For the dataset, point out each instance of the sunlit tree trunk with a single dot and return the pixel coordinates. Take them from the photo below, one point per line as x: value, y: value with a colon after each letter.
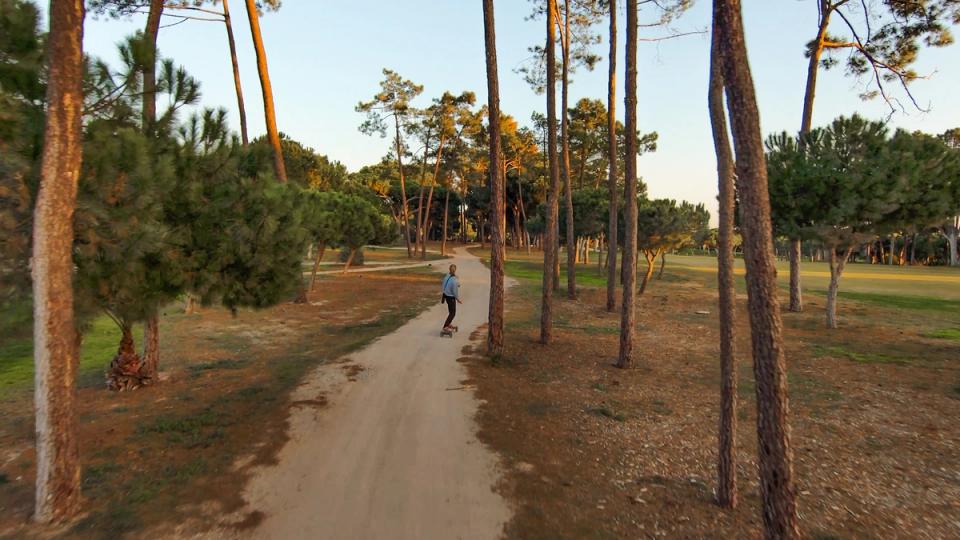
x: 565, y: 137
x: 806, y: 123
x: 55, y: 336
x: 951, y: 231
x: 773, y: 431
x: 727, y: 451
x: 497, y: 188
x: 149, y: 109
x: 418, y: 234
x: 269, y: 113
x: 550, y: 251
x: 403, y: 186
x: 612, y: 159
x: 446, y: 211
x: 428, y: 218
x: 651, y: 256
x: 628, y: 306
x: 836, y: 270
x: 241, y: 109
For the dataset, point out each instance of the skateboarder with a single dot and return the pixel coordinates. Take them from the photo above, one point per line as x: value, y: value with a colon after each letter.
x: 451, y: 297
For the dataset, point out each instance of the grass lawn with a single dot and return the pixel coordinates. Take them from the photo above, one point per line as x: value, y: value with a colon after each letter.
x: 631, y: 453
x: 100, y: 343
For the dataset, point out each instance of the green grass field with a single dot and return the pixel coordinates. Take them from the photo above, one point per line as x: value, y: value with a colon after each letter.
x: 935, y: 282
x: 100, y: 343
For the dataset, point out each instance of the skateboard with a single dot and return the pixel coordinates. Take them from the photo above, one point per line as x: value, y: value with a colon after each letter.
x: 449, y: 332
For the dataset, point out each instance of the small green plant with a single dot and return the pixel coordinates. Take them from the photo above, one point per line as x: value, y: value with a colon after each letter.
x: 952, y: 334
x: 607, y: 413
x: 859, y: 357
x: 225, y: 363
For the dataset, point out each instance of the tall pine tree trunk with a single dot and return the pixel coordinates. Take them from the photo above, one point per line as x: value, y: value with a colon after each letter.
x: 55, y: 336
x: 612, y: 159
x: 727, y: 452
x: 565, y: 136
x: 806, y: 123
x: 423, y: 174
x: 403, y: 186
x: 427, y: 217
x: 773, y: 431
x: 446, y: 210
x: 151, y: 336
x: 951, y: 231
x: 550, y: 251
x: 241, y: 109
x: 629, y: 273
x: 149, y: 110
x: 497, y: 189
x: 796, y: 294
x: 270, y: 115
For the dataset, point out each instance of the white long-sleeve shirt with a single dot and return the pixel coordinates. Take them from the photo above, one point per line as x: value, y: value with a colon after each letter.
x: 451, y: 286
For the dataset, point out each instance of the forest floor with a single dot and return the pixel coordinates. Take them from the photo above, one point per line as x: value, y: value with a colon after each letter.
x: 591, y: 451
x: 184, y: 449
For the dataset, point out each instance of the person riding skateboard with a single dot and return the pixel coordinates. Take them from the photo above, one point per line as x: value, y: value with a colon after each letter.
x: 451, y: 297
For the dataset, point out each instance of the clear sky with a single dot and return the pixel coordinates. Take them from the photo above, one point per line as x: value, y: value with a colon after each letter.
x: 325, y: 56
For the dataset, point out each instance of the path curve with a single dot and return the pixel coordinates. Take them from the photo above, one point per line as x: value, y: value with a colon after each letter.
x: 394, y: 453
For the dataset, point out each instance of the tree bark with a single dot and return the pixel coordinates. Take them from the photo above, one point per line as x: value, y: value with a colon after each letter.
x: 629, y: 274
x: 651, y: 257
x: 497, y: 188
x: 951, y: 231
x: 55, y: 336
x: 270, y: 115
x: 612, y: 165
x: 346, y: 266
x: 796, y: 295
x: 893, y: 248
x: 423, y: 174
x: 836, y: 270
x: 151, y: 351
x: 151, y: 348
x: 663, y: 264
x: 190, y: 305
x: 565, y: 137
x: 427, y: 218
x: 316, y: 265
x: 550, y: 251
x: 149, y: 109
x: 775, y: 453
x: 806, y: 123
x: 403, y: 186
x: 446, y: 210
x: 727, y: 436
x: 241, y: 109
x: 913, y: 248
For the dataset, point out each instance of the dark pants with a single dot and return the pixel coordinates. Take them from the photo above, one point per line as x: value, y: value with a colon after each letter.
x: 451, y: 302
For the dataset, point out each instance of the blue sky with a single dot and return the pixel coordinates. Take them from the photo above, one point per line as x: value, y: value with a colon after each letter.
x: 325, y: 56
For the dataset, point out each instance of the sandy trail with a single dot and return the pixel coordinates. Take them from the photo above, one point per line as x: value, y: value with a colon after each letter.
x: 393, y: 454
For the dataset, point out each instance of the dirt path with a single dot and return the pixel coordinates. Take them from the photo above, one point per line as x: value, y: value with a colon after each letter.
x: 383, y: 445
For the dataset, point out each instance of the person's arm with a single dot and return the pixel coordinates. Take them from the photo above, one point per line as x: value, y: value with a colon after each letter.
x: 457, y: 285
